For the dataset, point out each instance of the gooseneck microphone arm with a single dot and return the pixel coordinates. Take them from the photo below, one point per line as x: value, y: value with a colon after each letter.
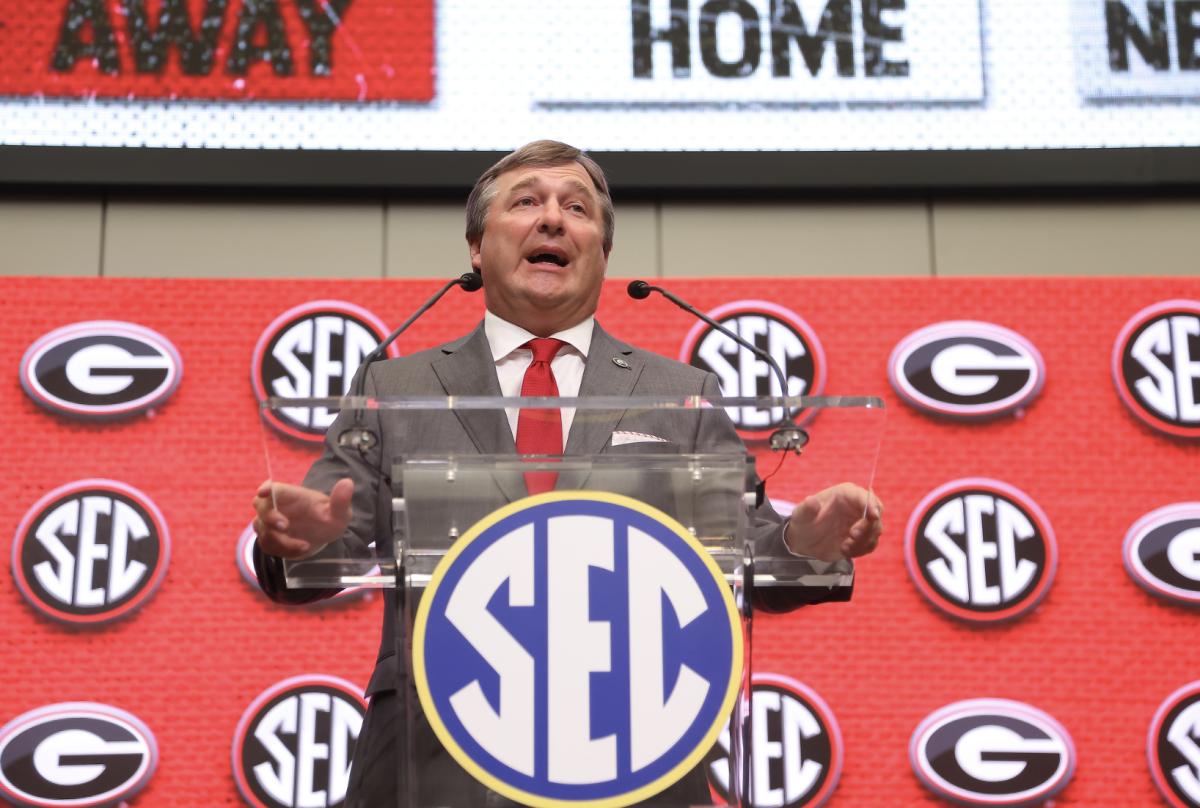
x: 788, y: 436
x: 469, y: 281
x: 357, y: 435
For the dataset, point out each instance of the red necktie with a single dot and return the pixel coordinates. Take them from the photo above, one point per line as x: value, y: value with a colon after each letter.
x: 540, y: 431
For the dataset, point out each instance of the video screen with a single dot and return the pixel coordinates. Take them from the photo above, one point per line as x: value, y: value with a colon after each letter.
x: 607, y: 75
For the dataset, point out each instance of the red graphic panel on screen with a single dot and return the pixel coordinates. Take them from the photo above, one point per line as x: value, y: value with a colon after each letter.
x: 296, y: 50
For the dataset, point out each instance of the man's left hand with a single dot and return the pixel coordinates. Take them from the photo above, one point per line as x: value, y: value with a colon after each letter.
x: 843, y: 521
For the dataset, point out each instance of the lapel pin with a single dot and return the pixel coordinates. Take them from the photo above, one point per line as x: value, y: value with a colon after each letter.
x: 621, y: 363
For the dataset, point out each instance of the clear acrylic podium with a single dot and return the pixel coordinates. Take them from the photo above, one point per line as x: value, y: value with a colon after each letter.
x: 710, y: 488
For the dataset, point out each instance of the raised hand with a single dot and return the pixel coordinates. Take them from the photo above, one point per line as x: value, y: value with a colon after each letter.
x: 843, y: 521
x: 294, y: 522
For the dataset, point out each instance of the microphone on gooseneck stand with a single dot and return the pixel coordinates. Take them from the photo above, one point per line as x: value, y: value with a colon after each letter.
x: 787, y: 437
x: 357, y: 435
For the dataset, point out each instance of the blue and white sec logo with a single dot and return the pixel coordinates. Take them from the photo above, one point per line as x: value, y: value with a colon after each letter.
x: 577, y: 647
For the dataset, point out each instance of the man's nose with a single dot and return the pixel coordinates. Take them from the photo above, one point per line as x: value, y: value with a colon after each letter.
x: 552, y: 217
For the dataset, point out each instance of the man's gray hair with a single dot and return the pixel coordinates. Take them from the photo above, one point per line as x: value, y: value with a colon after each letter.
x: 542, y: 154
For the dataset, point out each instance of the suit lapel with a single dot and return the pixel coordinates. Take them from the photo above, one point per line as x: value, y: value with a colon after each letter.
x: 466, y: 369
x: 602, y: 376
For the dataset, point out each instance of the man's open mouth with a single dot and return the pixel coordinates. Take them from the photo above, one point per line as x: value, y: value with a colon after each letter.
x: 547, y: 258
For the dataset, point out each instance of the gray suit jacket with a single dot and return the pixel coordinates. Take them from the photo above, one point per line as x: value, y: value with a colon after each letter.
x: 465, y: 368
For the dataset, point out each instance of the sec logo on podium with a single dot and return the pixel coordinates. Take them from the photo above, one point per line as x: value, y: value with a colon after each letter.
x: 577, y: 649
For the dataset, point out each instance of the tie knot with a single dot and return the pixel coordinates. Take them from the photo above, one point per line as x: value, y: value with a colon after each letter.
x: 544, y: 348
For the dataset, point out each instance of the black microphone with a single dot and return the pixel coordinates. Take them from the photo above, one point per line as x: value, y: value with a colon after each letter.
x: 789, y: 436
x: 357, y: 435
x: 640, y: 290
x: 471, y: 281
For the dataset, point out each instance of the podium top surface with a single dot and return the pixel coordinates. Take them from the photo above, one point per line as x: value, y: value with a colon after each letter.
x: 579, y: 403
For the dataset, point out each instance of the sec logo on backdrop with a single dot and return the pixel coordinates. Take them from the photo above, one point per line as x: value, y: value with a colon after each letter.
x: 90, y: 551
x: 980, y: 550
x: 1173, y: 747
x: 577, y: 647
x: 788, y: 339
x: 966, y: 369
x: 797, y: 749
x: 293, y: 745
x: 1162, y: 552
x: 992, y: 752
x: 1156, y: 366
x: 312, y: 351
x: 101, y: 369
x: 75, y: 754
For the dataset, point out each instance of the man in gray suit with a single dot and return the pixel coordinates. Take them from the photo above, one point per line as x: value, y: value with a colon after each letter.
x: 539, y: 229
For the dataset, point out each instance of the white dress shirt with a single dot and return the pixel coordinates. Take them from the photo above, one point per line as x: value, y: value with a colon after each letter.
x: 506, y: 339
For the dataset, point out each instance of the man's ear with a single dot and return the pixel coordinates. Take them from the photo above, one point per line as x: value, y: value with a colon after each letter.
x: 476, y: 248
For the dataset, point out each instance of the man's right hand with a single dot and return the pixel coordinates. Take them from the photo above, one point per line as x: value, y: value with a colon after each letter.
x: 294, y: 522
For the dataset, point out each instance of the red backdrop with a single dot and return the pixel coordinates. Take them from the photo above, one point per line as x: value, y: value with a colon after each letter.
x: 1099, y: 654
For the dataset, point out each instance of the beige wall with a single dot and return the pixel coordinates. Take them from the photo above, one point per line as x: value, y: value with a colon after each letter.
x: 371, y: 237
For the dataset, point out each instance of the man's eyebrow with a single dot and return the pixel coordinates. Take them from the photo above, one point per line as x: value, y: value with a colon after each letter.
x: 582, y: 188
x: 576, y: 185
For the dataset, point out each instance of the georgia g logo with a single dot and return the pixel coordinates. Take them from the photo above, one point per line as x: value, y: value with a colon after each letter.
x: 1162, y: 552
x: 965, y: 369
x: 577, y: 648
x: 313, y: 350
x: 992, y: 752
x: 1173, y: 747
x: 101, y: 369
x: 980, y: 550
x: 75, y: 753
x: 788, y: 339
x: 293, y: 745
x: 90, y: 551
x: 1156, y: 367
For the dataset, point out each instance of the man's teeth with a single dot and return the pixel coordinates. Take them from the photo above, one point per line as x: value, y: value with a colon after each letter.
x: 547, y: 258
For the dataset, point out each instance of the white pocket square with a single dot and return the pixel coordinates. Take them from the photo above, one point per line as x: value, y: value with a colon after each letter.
x: 621, y: 438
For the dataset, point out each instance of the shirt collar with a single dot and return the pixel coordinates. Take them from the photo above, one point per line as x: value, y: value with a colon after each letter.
x: 504, y: 337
